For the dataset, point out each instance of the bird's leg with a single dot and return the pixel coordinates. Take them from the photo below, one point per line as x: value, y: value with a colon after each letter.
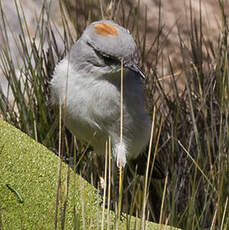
x: 115, y: 184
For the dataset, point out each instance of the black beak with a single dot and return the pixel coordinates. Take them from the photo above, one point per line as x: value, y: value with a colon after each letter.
x: 135, y: 68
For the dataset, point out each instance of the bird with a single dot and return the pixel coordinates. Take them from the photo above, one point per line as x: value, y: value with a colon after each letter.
x: 87, y: 85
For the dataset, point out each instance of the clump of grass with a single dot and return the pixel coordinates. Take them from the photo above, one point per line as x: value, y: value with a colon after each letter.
x: 191, y: 127
x: 27, y: 104
x: 195, y: 132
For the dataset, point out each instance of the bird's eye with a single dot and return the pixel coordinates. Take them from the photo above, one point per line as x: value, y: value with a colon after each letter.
x: 110, y: 60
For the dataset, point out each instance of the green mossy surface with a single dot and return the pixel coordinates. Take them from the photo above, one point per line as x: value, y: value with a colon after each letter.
x: 31, y: 171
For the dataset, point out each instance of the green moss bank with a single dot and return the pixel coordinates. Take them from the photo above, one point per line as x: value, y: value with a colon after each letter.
x: 28, y: 188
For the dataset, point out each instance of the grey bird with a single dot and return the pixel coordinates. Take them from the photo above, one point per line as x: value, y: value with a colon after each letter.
x: 87, y: 84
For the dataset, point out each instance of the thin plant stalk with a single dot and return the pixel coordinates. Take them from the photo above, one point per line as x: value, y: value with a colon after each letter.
x: 224, y: 214
x: 163, y: 200
x: 105, y: 187
x: 109, y: 183
x: 121, y: 142
x: 59, y: 168
x: 147, y: 172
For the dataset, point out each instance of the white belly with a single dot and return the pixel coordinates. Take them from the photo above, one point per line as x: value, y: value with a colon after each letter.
x: 93, y: 110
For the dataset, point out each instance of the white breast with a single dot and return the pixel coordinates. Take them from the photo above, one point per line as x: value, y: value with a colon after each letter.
x: 93, y: 110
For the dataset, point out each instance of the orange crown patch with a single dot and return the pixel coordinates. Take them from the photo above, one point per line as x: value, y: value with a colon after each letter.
x: 104, y: 29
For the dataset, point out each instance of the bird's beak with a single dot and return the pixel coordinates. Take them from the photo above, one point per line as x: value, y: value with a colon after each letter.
x: 136, y: 69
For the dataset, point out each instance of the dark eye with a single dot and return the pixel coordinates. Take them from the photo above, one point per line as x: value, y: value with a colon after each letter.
x: 110, y: 60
